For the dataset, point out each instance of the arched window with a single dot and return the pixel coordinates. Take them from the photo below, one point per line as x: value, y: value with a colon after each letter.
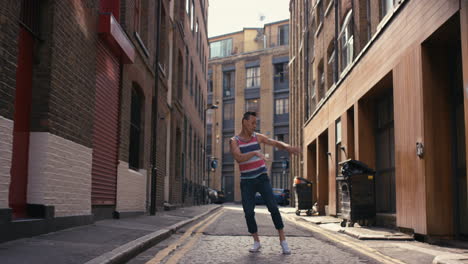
x: 136, y: 129
x: 346, y: 40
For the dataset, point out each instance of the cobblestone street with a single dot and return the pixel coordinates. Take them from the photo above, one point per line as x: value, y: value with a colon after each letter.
x: 225, y: 240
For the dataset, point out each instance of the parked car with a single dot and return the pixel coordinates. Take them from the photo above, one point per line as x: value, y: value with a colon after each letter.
x: 216, y: 196
x: 281, y: 195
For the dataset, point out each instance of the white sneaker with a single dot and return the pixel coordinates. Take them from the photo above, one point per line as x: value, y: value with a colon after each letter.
x: 285, y: 247
x: 256, y: 247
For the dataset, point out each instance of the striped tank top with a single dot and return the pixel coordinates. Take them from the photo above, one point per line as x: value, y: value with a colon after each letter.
x: 255, y: 166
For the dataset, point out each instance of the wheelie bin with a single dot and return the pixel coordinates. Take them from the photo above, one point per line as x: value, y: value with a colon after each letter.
x: 303, y: 193
x: 356, y: 188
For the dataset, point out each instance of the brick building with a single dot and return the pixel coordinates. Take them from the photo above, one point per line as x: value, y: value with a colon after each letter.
x: 382, y: 82
x: 87, y: 93
x: 248, y: 72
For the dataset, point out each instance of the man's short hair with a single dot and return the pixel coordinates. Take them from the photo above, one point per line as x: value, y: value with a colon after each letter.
x: 248, y: 114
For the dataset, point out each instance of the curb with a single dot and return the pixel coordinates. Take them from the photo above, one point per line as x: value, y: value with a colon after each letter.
x: 357, y: 235
x: 135, y: 247
x: 376, y: 237
x: 451, y: 259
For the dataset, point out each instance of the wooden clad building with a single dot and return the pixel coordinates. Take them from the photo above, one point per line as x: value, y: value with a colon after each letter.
x: 382, y: 82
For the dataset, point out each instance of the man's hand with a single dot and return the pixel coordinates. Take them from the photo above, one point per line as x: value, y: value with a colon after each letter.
x: 260, y: 155
x: 293, y: 150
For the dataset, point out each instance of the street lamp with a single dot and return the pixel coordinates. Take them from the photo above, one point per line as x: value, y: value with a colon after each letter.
x: 211, y: 107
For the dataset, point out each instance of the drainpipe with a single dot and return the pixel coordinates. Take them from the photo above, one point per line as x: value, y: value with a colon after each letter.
x: 335, y: 65
x: 154, y: 119
x: 307, y: 103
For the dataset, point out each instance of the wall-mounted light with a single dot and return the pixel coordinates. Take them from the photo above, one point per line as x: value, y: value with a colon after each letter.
x: 419, y: 149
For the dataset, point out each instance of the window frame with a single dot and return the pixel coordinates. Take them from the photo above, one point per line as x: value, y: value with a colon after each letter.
x: 231, y: 84
x: 224, y: 49
x: 192, y: 16
x: 387, y: 7
x: 228, y: 112
x: 282, y: 29
x: 346, y: 46
x: 248, y: 107
x: 281, y: 106
x: 254, y: 80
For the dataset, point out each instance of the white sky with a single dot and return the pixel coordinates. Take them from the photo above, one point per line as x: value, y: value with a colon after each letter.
x: 226, y: 16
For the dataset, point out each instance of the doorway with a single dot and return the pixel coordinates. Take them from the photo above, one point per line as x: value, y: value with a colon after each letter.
x: 322, y: 173
x: 385, y: 155
x: 443, y: 87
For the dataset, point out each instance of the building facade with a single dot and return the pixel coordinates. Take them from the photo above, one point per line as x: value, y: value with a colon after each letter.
x: 248, y: 71
x: 382, y: 82
x: 91, y: 117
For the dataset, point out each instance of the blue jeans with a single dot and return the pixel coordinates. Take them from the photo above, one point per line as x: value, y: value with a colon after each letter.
x: 262, y: 185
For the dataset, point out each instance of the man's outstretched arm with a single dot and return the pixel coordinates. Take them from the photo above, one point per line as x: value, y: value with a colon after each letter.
x: 238, y: 156
x: 278, y: 144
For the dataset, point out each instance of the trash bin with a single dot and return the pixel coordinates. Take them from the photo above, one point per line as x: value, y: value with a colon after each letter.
x: 356, y: 188
x: 303, y: 195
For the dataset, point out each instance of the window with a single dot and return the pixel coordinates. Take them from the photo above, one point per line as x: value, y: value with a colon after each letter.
x: 190, y: 141
x: 253, y: 105
x: 281, y: 72
x: 196, y: 92
x: 283, y: 35
x: 209, y: 117
x: 321, y: 80
x: 347, y: 41
x: 135, y: 149
x: 386, y: 7
x: 191, y: 78
x: 228, y: 83
x: 226, y: 147
x: 186, y: 68
x: 210, y: 82
x: 368, y: 19
x: 282, y: 106
x: 284, y: 138
x: 319, y: 12
x: 137, y: 15
x: 331, y: 65
x: 253, y: 77
x: 180, y: 75
x: 164, y: 50
x: 338, y: 131
x: 198, y: 36
x: 228, y: 111
x: 192, y: 17
x: 222, y: 48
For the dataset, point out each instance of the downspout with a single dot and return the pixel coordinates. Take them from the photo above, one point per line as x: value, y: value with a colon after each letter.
x: 355, y: 31
x: 335, y: 65
x: 154, y: 107
x: 307, y: 102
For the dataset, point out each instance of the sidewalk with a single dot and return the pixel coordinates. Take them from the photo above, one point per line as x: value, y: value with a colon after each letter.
x: 106, y: 241
x: 398, y: 246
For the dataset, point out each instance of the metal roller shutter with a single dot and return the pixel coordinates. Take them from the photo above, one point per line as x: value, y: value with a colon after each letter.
x: 105, y: 138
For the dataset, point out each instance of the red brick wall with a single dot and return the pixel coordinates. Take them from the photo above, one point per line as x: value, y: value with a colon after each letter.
x: 9, y: 13
x: 64, y: 71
